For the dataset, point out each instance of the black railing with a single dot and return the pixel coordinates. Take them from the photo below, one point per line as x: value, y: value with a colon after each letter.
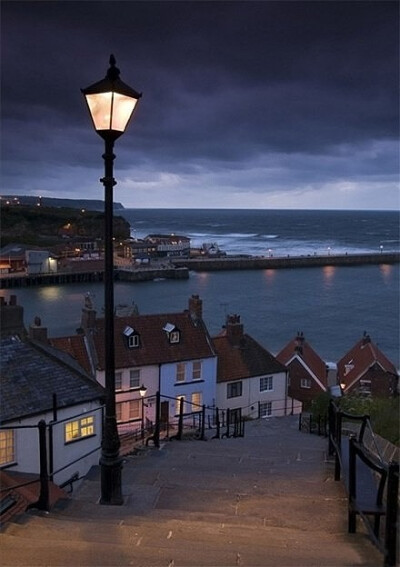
x: 46, y: 454
x: 372, y: 484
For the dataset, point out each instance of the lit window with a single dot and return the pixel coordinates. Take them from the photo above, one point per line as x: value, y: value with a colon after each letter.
x: 134, y: 409
x: 79, y: 428
x: 196, y: 401
x: 178, y: 404
x: 7, y: 447
x: 305, y: 383
x: 196, y: 370
x: 180, y: 372
x: 134, y: 378
x: 234, y: 390
x: 266, y: 409
x: 118, y: 380
x: 118, y: 411
x: 266, y: 383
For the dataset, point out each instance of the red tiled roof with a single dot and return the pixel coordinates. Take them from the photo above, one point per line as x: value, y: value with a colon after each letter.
x: 300, y: 348
x: 75, y: 347
x: 244, y: 361
x: 155, y: 347
x: 357, y: 361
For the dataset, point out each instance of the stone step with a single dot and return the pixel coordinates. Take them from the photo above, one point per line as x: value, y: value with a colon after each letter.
x: 54, y: 543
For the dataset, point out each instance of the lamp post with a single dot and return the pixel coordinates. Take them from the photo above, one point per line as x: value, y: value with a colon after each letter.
x: 111, y: 104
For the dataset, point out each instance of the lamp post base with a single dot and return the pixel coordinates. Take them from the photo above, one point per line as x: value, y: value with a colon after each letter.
x: 111, y: 490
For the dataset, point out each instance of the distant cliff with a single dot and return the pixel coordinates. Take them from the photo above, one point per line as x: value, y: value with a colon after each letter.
x: 88, y: 204
x: 48, y: 226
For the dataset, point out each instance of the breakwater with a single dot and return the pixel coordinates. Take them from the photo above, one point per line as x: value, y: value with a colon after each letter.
x: 279, y: 262
x: 59, y: 278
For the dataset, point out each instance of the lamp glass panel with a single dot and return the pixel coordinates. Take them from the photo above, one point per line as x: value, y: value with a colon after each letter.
x: 100, y: 109
x: 122, y: 111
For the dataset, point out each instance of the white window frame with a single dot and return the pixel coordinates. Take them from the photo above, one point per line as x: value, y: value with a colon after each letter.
x: 134, y: 378
x: 133, y: 341
x: 231, y: 388
x: 174, y: 337
x: 305, y: 383
x: 265, y: 409
x: 180, y: 372
x: 80, y: 428
x: 197, y: 370
x: 266, y: 383
x: 118, y: 380
x: 7, y: 447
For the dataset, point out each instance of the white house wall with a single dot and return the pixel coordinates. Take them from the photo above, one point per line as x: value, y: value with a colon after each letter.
x: 149, y: 377
x: 251, y: 395
x: 206, y: 385
x: 27, y: 444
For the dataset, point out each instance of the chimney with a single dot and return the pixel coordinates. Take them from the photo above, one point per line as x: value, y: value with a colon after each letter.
x: 366, y: 338
x: 299, y: 342
x: 12, y: 318
x: 195, y: 307
x: 37, y: 332
x: 234, y: 330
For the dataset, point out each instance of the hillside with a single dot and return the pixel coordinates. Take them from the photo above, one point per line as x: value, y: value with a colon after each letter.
x: 88, y: 204
x: 47, y: 226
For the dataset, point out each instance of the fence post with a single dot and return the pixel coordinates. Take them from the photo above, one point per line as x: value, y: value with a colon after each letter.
x: 44, y: 500
x: 332, y: 428
x: 203, y: 423
x: 157, y: 424
x: 218, y: 433
x: 352, y: 485
x: 180, y: 422
x: 391, y: 515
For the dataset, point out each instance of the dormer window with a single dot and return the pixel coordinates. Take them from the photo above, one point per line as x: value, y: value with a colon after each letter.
x: 173, y: 333
x: 132, y: 337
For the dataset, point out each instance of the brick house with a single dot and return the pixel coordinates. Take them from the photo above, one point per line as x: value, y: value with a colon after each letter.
x: 365, y: 370
x: 308, y: 373
x: 250, y: 380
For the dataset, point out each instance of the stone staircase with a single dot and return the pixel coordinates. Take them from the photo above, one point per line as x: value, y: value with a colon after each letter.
x: 267, y: 499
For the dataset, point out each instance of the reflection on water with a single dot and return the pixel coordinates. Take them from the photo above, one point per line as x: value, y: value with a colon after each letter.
x: 328, y: 273
x: 386, y: 271
x: 269, y: 275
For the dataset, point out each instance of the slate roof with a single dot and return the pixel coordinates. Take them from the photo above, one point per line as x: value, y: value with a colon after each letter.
x: 359, y: 359
x: 245, y: 361
x: 299, y: 348
x: 74, y: 346
x: 30, y: 373
x: 155, y: 347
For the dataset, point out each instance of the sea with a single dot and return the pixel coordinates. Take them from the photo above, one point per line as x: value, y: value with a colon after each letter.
x: 332, y: 306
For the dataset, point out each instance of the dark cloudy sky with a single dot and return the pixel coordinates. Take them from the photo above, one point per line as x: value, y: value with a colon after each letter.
x: 246, y: 104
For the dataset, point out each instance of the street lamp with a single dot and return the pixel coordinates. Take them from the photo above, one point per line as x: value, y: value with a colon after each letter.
x: 111, y: 104
x: 142, y: 392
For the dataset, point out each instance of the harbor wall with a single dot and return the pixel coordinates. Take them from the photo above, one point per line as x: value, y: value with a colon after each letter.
x: 257, y: 263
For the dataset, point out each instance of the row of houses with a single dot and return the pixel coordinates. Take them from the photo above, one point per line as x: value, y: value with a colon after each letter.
x: 61, y: 380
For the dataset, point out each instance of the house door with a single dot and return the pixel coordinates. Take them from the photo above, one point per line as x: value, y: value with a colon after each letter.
x: 164, y: 414
x: 235, y: 415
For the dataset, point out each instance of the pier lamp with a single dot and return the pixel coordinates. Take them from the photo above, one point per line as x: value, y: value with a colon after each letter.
x: 111, y: 104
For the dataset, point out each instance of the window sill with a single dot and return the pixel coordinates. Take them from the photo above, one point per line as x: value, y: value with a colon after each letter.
x: 80, y: 439
x: 187, y: 383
